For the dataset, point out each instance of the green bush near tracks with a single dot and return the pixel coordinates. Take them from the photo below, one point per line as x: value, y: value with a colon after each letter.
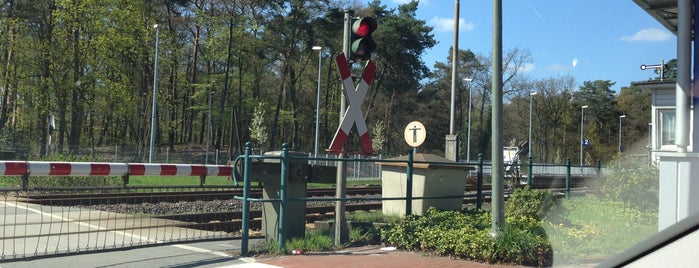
x: 635, y: 183
x: 466, y: 234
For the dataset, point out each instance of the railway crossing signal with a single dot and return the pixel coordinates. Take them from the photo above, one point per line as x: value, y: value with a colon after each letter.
x: 362, y: 44
x: 353, y: 114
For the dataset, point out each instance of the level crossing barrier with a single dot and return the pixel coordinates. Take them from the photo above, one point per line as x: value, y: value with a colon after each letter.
x: 43, y: 222
x: 124, y: 170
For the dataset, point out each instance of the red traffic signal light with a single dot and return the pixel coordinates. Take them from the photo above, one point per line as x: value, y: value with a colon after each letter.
x: 362, y: 44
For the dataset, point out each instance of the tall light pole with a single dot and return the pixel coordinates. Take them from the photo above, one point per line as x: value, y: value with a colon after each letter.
x: 582, y: 132
x: 155, y: 94
x: 451, y: 148
x: 320, y: 50
x: 620, y: 117
x: 468, y: 137
x: 529, y: 141
x: 208, y: 130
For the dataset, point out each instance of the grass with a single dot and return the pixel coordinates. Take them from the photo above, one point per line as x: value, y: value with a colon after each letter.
x: 177, y: 180
x: 350, y: 183
x: 189, y: 180
x: 371, y: 216
x: 313, y: 241
x: 589, y: 229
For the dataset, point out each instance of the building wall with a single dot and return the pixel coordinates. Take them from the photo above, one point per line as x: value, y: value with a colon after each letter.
x: 663, y: 114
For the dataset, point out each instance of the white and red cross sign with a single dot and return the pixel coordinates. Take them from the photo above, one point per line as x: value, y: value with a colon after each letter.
x: 353, y: 114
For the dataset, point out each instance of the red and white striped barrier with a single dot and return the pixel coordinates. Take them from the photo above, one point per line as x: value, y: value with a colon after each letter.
x: 39, y: 168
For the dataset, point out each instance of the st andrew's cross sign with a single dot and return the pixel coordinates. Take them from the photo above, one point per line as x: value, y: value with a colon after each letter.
x: 353, y: 114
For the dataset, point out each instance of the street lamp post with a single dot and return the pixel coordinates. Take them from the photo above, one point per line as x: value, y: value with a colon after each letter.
x: 208, y: 130
x: 620, y: 117
x: 531, y: 100
x: 319, y: 49
x: 468, y: 137
x: 155, y: 94
x: 582, y: 132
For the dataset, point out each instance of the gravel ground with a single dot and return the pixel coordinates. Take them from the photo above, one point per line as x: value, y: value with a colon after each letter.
x: 184, y: 207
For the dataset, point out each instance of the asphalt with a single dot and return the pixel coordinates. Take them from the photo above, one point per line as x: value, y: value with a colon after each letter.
x: 227, y: 254
x: 201, y: 254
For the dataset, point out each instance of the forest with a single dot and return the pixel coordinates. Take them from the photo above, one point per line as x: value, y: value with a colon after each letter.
x: 81, y: 74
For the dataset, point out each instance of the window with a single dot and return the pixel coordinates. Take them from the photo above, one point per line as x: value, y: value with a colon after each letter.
x: 667, y: 127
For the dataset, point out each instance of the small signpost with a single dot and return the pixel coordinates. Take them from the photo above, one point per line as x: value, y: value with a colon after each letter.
x: 415, y: 134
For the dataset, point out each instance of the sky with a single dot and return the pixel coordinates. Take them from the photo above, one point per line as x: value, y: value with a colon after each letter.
x: 586, y: 39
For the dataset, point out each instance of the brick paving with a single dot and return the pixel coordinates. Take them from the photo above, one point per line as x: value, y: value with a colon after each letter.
x: 373, y: 256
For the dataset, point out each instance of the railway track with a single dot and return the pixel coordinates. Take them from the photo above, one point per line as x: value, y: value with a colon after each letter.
x: 228, y: 220
x: 92, y: 197
x: 231, y: 221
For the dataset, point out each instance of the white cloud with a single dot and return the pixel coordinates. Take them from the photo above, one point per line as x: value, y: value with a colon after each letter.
x: 648, y: 35
x: 528, y: 67
x: 447, y: 24
x: 575, y: 62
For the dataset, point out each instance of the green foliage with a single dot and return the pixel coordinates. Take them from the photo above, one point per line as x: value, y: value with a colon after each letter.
x: 595, y: 229
x: 15, y: 141
x: 378, y: 136
x: 258, y: 131
x: 467, y: 235
x: 177, y: 180
x: 73, y: 181
x: 523, y: 246
x: 313, y: 241
x: 634, y: 183
x: 373, y: 216
x: 601, y: 117
x: 364, y: 236
x: 528, y: 203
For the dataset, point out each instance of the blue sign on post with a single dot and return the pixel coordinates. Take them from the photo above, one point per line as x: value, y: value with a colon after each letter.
x: 586, y: 143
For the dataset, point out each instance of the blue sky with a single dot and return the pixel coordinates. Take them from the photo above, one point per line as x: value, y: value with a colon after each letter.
x: 586, y: 39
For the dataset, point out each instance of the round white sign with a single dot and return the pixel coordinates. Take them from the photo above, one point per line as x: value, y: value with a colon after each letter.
x: 415, y: 134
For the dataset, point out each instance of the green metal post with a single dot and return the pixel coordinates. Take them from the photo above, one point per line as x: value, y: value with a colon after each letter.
x: 479, y: 182
x: 246, y: 204
x: 529, y: 172
x: 567, y: 177
x: 282, y: 195
x: 409, y: 187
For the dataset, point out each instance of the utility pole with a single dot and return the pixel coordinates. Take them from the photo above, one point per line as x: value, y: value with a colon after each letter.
x: 340, y: 227
x: 498, y: 202
x: 452, y: 141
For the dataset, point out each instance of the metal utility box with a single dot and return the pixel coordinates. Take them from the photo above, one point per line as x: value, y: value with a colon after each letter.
x: 268, y: 171
x: 439, y: 177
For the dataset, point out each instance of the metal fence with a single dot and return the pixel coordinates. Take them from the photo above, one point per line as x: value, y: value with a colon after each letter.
x: 49, y: 222
x: 41, y: 222
x: 282, y: 201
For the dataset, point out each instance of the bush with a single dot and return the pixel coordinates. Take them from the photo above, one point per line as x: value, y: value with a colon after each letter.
x: 528, y: 203
x: 466, y: 235
x: 634, y: 183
